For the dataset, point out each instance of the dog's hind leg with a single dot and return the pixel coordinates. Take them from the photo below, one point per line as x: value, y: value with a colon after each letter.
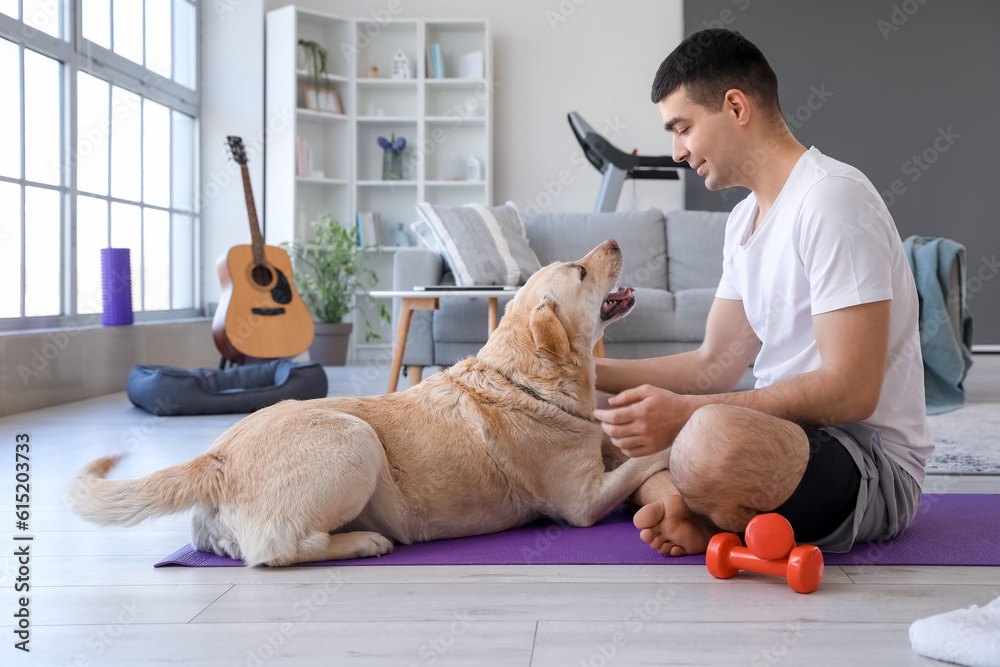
x: 211, y: 535
x: 338, y: 462
x: 339, y: 546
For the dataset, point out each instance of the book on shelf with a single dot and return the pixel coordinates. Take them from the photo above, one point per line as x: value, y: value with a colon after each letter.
x: 369, y: 228
x: 430, y: 63
x: 437, y: 60
x: 303, y: 157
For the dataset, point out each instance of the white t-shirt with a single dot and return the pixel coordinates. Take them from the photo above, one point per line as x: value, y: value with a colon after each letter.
x: 827, y: 243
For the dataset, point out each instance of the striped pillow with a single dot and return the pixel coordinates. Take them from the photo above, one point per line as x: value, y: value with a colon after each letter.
x: 482, y: 245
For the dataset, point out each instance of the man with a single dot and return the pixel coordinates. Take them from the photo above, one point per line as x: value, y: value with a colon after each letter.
x: 834, y: 436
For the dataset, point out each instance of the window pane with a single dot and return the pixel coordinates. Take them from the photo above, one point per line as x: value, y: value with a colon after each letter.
x: 42, y: 251
x: 156, y: 259
x: 184, y: 44
x: 10, y: 249
x: 126, y: 232
x: 10, y: 108
x: 41, y: 119
x: 92, y: 134
x: 126, y: 140
x: 158, y: 36
x: 44, y: 15
x: 183, y: 147
x: 91, y: 236
x: 97, y: 21
x: 156, y: 154
x: 182, y: 268
x: 127, y: 34
x: 9, y: 7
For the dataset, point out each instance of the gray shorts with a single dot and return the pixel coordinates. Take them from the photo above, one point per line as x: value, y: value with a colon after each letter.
x: 887, y: 498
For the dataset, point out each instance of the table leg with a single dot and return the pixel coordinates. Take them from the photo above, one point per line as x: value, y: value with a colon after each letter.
x: 414, y: 374
x: 493, y: 314
x: 406, y: 308
x: 599, y: 348
x: 402, y: 330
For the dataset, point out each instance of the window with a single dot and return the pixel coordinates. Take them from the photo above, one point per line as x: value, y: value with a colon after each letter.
x: 99, y: 115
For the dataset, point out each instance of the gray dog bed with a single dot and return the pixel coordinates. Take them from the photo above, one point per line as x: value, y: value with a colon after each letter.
x: 168, y: 391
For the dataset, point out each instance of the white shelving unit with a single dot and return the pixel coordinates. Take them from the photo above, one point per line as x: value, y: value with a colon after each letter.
x: 444, y: 120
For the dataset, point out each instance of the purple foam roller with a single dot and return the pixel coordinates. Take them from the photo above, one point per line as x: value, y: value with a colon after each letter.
x: 116, y: 285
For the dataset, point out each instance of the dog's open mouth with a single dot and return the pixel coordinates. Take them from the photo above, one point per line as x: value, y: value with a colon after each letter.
x: 617, y: 303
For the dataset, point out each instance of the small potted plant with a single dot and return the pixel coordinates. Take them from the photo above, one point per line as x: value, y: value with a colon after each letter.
x: 329, y: 273
x: 314, y: 60
x: 322, y: 95
x: 392, y: 157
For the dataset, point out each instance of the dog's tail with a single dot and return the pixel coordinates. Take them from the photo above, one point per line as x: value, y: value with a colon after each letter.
x: 127, y: 502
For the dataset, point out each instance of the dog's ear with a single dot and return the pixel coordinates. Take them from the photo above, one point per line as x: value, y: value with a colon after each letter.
x: 547, y: 330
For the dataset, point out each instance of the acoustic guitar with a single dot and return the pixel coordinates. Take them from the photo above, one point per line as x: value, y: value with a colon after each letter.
x: 260, y: 314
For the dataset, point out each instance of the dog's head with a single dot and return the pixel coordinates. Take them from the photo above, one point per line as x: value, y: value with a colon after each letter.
x: 566, y: 305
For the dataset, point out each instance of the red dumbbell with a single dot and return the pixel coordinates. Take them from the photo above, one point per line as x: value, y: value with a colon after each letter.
x: 770, y: 549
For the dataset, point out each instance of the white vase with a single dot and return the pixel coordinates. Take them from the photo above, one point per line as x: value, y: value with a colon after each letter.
x: 473, y: 169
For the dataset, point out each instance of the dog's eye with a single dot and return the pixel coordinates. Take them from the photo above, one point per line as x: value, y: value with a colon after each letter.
x: 583, y: 273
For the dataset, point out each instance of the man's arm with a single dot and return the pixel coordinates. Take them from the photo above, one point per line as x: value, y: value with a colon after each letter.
x: 715, y: 367
x: 853, y: 346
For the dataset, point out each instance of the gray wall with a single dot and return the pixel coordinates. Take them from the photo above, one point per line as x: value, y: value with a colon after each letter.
x: 890, y: 94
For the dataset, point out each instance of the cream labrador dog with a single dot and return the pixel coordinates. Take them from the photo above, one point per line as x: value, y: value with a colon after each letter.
x: 494, y: 442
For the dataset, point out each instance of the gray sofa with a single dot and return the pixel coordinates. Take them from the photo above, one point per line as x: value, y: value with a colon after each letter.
x: 674, y: 262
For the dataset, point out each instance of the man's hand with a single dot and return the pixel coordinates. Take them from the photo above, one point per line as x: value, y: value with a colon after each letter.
x: 646, y: 419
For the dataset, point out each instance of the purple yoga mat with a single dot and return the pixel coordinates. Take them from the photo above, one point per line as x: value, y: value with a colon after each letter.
x: 950, y: 529
x: 116, y: 287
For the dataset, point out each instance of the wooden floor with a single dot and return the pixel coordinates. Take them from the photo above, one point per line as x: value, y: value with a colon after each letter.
x: 95, y: 598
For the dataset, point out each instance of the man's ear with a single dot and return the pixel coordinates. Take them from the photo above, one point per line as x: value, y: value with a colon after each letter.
x: 547, y: 330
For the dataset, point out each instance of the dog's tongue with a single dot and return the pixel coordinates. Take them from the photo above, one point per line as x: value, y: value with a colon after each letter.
x: 619, y: 294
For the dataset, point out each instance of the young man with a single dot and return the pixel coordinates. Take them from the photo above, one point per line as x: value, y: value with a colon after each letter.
x: 834, y: 436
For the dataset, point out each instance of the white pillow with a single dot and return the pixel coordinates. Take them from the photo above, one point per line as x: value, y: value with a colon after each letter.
x: 482, y: 245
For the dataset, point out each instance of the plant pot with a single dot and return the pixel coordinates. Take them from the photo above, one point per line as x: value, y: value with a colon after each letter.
x: 329, y: 346
x: 392, y: 165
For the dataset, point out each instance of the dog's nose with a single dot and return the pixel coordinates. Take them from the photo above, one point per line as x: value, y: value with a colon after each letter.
x: 612, y: 244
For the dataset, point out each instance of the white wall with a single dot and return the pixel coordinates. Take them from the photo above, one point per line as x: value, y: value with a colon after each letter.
x: 232, y: 80
x: 596, y: 57
x: 44, y: 367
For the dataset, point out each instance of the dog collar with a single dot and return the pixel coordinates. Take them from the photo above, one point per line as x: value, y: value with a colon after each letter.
x: 534, y: 394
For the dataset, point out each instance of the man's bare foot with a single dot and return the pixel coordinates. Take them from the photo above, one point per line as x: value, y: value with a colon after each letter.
x: 668, y: 526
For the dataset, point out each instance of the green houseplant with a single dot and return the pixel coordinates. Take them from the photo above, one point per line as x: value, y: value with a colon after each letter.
x: 330, y: 275
x: 315, y: 61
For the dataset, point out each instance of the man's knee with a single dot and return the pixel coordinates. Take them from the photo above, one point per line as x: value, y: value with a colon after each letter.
x: 695, y: 454
x: 705, y: 436
x: 729, y: 456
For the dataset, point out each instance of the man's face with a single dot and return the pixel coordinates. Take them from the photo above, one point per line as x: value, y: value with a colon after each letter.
x: 707, y: 141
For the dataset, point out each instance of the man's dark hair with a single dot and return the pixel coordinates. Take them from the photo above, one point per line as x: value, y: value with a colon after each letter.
x: 711, y: 62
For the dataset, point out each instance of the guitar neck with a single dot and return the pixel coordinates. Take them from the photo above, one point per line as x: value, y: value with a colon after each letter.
x: 256, y: 240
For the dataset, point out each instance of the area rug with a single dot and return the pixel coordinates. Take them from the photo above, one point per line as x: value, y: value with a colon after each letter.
x: 966, y: 441
x: 950, y: 529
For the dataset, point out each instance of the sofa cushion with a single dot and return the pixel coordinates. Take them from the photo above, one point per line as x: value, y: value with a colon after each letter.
x: 482, y: 245
x: 691, y: 308
x: 661, y: 316
x: 652, y: 318
x: 564, y: 237
x: 694, y: 248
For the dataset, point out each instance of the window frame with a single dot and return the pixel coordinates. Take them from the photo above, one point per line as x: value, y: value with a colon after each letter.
x: 77, y: 54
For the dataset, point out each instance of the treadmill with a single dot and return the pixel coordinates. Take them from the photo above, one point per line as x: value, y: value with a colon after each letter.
x: 617, y: 165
